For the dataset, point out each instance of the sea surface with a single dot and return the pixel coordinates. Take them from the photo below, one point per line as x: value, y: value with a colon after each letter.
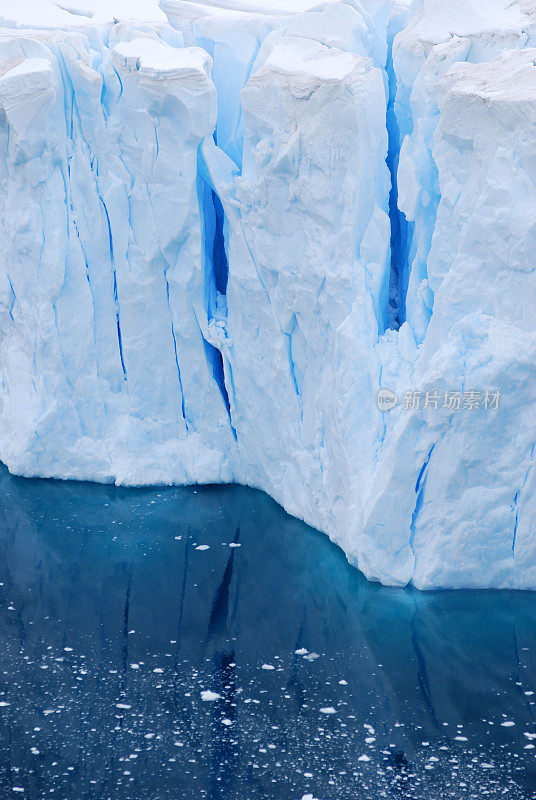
x: 192, y: 644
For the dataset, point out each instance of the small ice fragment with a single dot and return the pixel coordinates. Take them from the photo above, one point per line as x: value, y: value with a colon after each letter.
x: 226, y: 721
x: 343, y: 683
x: 328, y: 710
x: 203, y: 547
x: 301, y: 652
x: 507, y: 724
x: 267, y: 666
x: 363, y: 758
x: 235, y: 544
x: 210, y: 697
x: 123, y: 706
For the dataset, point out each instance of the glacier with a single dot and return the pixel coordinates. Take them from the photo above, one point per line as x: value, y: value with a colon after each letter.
x: 228, y: 228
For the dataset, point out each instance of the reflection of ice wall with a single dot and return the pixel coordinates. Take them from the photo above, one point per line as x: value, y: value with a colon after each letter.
x: 197, y: 283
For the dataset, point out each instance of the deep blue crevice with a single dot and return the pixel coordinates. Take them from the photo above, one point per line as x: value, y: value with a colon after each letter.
x: 216, y: 275
x: 220, y: 263
x: 295, y: 350
x: 292, y: 366
x: 216, y: 263
x: 516, y: 522
x: 174, y: 337
x: 116, y: 295
x: 401, y: 229
x: 420, y: 487
x: 423, y: 470
x: 215, y: 359
x: 515, y: 506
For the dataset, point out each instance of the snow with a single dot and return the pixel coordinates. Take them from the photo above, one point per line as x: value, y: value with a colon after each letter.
x: 306, y: 58
x: 197, y: 283
x: 68, y: 14
x: 156, y: 60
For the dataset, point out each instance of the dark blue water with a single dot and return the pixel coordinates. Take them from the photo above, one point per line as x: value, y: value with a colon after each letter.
x: 112, y: 624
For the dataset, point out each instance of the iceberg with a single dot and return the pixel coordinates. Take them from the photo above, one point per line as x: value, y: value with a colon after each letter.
x: 285, y: 245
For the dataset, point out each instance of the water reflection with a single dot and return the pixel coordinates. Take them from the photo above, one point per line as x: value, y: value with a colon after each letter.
x: 118, y: 608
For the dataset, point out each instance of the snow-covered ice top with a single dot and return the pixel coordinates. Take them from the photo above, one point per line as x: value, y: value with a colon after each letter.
x: 303, y: 57
x: 69, y: 14
x: 436, y: 21
x: 510, y: 78
x: 207, y: 273
x: 155, y: 59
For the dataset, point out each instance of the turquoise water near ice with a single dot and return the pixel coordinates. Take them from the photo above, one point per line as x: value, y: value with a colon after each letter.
x: 113, y: 622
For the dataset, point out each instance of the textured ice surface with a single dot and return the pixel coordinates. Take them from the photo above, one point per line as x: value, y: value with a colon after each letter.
x: 212, y: 261
x: 439, y: 35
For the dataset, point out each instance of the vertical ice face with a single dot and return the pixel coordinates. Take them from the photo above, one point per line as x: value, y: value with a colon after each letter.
x: 104, y: 362
x: 461, y: 511
x: 308, y: 277
x: 438, y: 35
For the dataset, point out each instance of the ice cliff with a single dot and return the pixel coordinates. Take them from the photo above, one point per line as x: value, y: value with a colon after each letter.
x: 226, y: 227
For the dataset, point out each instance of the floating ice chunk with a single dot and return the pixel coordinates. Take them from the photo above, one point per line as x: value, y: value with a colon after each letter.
x: 208, y: 696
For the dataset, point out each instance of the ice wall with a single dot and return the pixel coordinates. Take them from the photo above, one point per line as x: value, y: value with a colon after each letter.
x: 106, y: 373
x: 462, y: 510
x: 226, y: 227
